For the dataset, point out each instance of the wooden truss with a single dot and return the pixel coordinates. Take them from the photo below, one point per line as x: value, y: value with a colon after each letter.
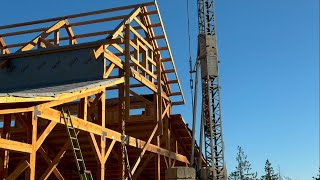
x: 136, y: 56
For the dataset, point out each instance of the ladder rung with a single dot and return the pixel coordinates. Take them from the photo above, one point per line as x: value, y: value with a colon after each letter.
x: 79, y: 160
x: 70, y: 127
x: 73, y: 137
x: 77, y: 149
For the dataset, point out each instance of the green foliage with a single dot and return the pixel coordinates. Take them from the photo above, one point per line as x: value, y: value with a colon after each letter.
x: 243, y: 168
x: 270, y: 175
x: 318, y: 176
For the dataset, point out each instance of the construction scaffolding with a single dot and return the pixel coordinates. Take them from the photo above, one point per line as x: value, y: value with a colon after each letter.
x: 118, y: 84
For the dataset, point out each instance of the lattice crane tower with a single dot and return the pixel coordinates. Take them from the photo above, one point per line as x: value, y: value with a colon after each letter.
x: 207, y: 60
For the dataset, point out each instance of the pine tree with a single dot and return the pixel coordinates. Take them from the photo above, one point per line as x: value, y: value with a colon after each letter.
x: 243, y: 168
x: 269, y: 172
x: 318, y: 176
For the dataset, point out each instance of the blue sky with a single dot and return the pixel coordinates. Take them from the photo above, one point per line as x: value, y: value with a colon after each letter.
x: 269, y: 72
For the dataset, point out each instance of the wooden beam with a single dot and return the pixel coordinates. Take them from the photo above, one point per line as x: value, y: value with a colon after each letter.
x: 144, y: 164
x: 49, y: 161
x: 33, y: 147
x: 102, y: 119
x: 109, y: 150
x: 56, y: 160
x: 144, y: 149
x: 17, y: 110
x: 19, y: 169
x: 72, y: 39
x: 56, y: 39
x: 78, y: 123
x: 15, y: 146
x: 45, y: 134
x: 158, y: 162
x: 109, y: 70
x: 94, y: 143
x: 77, y: 15
x: 3, y: 47
x: 5, y: 153
x: 141, y: 97
x: 43, y: 35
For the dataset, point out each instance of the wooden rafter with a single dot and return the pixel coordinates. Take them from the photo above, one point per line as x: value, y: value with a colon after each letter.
x: 3, y: 47
x: 43, y: 35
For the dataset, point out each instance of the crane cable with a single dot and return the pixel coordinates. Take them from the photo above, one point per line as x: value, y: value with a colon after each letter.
x: 190, y: 60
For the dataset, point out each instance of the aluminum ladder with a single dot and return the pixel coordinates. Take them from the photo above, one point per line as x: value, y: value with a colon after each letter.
x: 75, y: 146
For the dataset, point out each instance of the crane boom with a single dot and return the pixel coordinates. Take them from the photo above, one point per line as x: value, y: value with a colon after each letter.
x: 211, y: 112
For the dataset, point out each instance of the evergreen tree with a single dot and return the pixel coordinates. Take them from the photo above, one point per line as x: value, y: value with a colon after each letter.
x: 243, y: 168
x: 318, y: 176
x: 270, y: 175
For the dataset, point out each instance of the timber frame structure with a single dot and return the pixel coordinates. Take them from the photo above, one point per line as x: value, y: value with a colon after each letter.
x: 129, y: 104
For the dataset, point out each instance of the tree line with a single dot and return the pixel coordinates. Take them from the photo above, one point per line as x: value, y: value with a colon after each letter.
x: 243, y: 170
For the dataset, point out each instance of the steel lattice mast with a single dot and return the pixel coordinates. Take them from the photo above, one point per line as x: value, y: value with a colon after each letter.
x: 211, y: 112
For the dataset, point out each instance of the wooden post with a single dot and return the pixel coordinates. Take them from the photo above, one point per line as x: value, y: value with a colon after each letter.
x: 5, y: 153
x: 27, y: 119
x: 126, y: 107
x: 159, y: 113
x: 167, y: 135
x: 33, y: 146
x: 102, y: 118
x: 158, y: 170
x: 120, y: 118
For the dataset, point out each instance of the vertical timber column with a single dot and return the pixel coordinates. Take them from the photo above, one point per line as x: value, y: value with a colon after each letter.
x: 33, y: 146
x: 120, y: 118
x: 28, y: 118
x: 5, y: 153
x: 159, y: 112
x: 127, y: 93
x: 102, y: 117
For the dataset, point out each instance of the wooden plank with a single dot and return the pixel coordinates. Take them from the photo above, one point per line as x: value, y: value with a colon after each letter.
x: 19, y: 169
x: 78, y: 123
x: 15, y: 146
